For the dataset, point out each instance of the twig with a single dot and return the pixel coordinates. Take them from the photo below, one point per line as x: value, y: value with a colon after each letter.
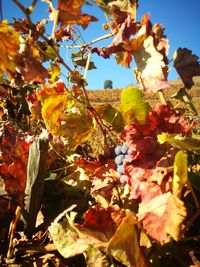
x: 32, y: 6
x: 187, y: 99
x: 88, y: 44
x: 87, y: 66
x: 10, y: 253
x: 55, y: 24
x: 26, y: 11
x: 194, y: 217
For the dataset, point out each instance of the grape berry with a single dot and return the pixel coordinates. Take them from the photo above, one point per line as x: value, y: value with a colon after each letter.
x: 121, y: 153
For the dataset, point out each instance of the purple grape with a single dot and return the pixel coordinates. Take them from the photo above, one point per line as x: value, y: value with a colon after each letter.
x: 119, y: 159
x: 120, y: 169
x: 118, y: 150
x: 124, y: 149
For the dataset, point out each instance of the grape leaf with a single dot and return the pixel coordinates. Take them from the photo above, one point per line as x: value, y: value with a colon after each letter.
x: 146, y: 171
x: 76, y: 128
x: 9, y: 45
x: 183, y: 142
x: 151, y: 71
x: 14, y: 159
x: 180, y: 173
x: 187, y: 65
x: 118, y: 9
x: 100, y: 224
x: 53, y: 101
x: 32, y: 70
x: 64, y: 116
x: 95, y: 258
x: 162, y: 217
x: 70, y: 13
x: 54, y: 72
x: 123, y: 246
x: 34, y: 105
x: 110, y: 115
x: 66, y: 239
x: 133, y: 105
x: 127, y: 28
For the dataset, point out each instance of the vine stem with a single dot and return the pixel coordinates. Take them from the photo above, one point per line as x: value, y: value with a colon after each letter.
x: 13, y: 226
x: 88, y: 44
x: 26, y: 11
x: 55, y: 24
x: 87, y: 65
x: 194, y: 217
x: 188, y: 100
x: 32, y: 6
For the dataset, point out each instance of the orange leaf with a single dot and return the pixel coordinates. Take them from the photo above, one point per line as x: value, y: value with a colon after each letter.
x: 9, y: 45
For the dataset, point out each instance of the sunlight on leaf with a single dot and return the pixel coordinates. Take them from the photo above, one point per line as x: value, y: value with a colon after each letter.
x: 133, y: 105
x: 180, y: 173
x: 183, y: 142
x: 66, y: 239
x: 9, y: 45
x: 151, y: 70
x: 65, y: 116
x: 162, y: 217
x: 124, y: 246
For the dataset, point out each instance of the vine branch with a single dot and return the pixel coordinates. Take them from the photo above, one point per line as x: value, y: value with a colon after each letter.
x: 90, y: 43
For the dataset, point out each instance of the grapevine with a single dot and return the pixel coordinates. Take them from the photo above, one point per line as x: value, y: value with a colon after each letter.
x: 65, y: 202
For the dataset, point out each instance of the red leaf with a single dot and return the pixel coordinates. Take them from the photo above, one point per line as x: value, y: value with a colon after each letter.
x: 149, y: 159
x: 101, y: 222
x: 15, y: 147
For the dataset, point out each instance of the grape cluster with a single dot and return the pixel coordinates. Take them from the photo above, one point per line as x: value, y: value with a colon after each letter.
x: 121, y: 152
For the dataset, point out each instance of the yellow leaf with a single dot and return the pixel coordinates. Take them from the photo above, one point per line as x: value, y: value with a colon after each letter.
x: 65, y: 116
x: 124, y: 245
x: 180, y: 173
x: 53, y: 99
x: 9, y: 45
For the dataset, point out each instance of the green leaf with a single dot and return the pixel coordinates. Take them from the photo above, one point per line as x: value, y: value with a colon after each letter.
x: 124, y: 246
x: 111, y: 116
x: 180, y: 173
x: 177, y: 140
x: 133, y: 105
x: 95, y: 258
x: 66, y: 239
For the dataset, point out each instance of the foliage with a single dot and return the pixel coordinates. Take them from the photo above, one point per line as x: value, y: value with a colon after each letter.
x: 145, y: 217
x: 108, y: 84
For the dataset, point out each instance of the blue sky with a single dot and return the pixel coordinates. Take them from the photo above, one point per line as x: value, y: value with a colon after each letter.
x: 179, y: 17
